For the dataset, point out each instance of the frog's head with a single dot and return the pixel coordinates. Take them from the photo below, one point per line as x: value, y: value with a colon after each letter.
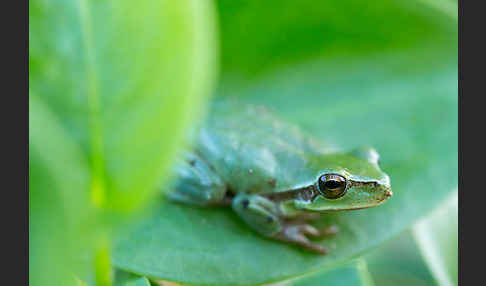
x: 350, y: 181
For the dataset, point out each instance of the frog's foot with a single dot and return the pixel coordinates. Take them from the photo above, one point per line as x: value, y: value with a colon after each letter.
x: 261, y: 214
x: 310, y: 230
x: 297, y: 234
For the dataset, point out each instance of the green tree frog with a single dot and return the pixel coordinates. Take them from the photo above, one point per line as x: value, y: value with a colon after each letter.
x: 275, y: 177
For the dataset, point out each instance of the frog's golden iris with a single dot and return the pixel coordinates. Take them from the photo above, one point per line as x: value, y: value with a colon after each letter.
x: 332, y: 186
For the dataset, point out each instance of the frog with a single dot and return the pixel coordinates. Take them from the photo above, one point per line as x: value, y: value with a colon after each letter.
x: 276, y: 177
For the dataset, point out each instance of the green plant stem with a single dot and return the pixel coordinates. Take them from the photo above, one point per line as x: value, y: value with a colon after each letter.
x: 103, y: 273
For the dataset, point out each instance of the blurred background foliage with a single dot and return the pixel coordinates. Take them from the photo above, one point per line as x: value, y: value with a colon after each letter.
x: 112, y: 90
x: 261, y: 36
x: 114, y: 86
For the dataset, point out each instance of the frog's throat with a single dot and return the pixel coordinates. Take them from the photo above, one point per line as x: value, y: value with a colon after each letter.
x: 307, y: 193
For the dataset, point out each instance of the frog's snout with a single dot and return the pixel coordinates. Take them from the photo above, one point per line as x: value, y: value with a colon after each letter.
x: 388, y: 193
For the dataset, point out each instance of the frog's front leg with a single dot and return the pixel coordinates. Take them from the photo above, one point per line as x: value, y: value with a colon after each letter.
x: 262, y: 215
x: 259, y: 213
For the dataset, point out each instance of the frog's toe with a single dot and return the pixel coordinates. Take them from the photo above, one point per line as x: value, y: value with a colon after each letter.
x: 318, y: 233
x: 297, y: 234
x: 328, y: 231
x: 308, y: 229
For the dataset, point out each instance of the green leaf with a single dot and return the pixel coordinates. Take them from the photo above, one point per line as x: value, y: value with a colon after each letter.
x: 123, y: 278
x: 57, y: 197
x: 399, y: 262
x: 448, y: 7
x: 113, y: 86
x: 121, y: 79
x: 55, y: 150
x: 354, y: 273
x: 409, y: 115
x: 437, y: 238
x: 47, y: 240
x: 260, y: 36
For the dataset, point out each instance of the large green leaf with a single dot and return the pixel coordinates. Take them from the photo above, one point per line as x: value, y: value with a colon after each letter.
x: 125, y: 80
x: 113, y: 85
x: 56, y: 197
x: 437, y: 238
x: 409, y: 114
x: 53, y: 149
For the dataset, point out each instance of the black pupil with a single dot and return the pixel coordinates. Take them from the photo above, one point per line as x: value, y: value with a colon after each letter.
x: 332, y: 184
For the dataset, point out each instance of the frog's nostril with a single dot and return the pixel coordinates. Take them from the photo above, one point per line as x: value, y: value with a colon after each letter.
x: 389, y: 193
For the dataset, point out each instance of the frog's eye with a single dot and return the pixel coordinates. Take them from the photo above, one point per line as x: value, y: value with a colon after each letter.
x: 332, y: 186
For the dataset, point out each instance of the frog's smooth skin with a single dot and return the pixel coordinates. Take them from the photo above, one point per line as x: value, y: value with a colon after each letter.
x: 276, y: 178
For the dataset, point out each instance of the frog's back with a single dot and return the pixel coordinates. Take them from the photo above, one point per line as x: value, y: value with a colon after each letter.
x: 253, y: 151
